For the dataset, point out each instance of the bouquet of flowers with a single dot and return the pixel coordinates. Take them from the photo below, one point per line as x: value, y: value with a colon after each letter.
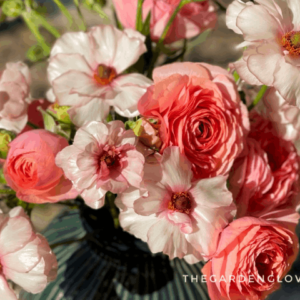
x: 197, y: 161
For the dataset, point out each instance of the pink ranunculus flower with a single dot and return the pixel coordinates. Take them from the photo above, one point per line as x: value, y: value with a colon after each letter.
x: 25, y: 256
x: 14, y: 96
x: 253, y: 255
x: 31, y: 171
x: 173, y: 214
x: 191, y: 20
x: 265, y: 176
x: 102, y: 158
x: 198, y: 109
x: 271, y: 29
x: 85, y: 71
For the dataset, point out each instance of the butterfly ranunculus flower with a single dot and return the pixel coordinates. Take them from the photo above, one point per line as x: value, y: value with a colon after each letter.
x: 86, y: 73
x: 25, y: 256
x: 102, y: 158
x: 173, y: 214
x: 198, y: 108
x: 31, y: 171
x: 191, y: 20
x: 265, y: 176
x: 271, y: 29
x: 285, y: 117
x: 253, y: 255
x: 14, y: 96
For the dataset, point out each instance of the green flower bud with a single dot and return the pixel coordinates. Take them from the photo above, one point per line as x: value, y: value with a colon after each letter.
x: 60, y: 113
x: 5, y: 138
x: 13, y: 8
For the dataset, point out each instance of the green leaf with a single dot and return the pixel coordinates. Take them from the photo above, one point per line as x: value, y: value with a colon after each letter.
x: 146, y: 26
x: 138, y: 129
x: 130, y: 124
x: 109, y: 118
x: 2, y: 178
x: 49, y: 122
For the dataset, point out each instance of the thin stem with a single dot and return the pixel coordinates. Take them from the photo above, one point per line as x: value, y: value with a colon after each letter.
x: 258, y: 97
x: 65, y: 11
x: 139, y: 16
x: 113, y: 209
x: 33, y: 125
x: 83, y: 25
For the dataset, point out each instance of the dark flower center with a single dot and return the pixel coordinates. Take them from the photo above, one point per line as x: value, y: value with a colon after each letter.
x: 180, y: 202
x: 291, y: 42
x: 105, y: 74
x: 110, y: 157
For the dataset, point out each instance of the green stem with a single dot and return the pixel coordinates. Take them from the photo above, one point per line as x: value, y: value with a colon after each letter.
x: 258, y: 97
x: 82, y: 26
x: 65, y: 11
x: 139, y: 16
x: 7, y: 192
x: 33, y: 125
x: 43, y: 22
x: 113, y: 209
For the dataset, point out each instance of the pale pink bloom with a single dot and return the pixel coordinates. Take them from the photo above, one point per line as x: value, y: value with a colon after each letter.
x: 271, y: 31
x: 174, y: 215
x: 14, y: 96
x: 285, y: 117
x: 31, y: 171
x: 85, y: 71
x: 25, y: 256
x: 102, y: 158
x: 190, y: 21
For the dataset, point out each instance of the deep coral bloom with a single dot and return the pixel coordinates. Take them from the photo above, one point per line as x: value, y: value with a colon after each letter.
x: 198, y: 109
x: 259, y: 250
x: 173, y: 214
x: 31, y: 171
x: 85, y: 71
x: 25, y: 256
x: 102, y: 158
x: 14, y: 96
x: 265, y: 176
x: 191, y: 20
x: 271, y: 29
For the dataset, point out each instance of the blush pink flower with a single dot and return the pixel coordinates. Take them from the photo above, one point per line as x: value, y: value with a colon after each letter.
x: 265, y: 177
x: 14, y: 96
x: 252, y: 256
x: 174, y: 215
x: 271, y: 29
x: 25, y: 256
x: 102, y: 158
x: 191, y: 20
x: 85, y: 71
x: 198, y: 108
x: 31, y: 171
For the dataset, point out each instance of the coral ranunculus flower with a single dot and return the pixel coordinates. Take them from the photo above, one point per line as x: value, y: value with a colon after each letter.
x: 25, y: 256
x: 31, y: 171
x: 14, y: 96
x: 271, y: 30
x: 191, y: 20
x: 253, y: 255
x: 198, y: 109
x: 175, y: 215
x: 102, y: 158
x: 265, y: 176
x: 85, y: 71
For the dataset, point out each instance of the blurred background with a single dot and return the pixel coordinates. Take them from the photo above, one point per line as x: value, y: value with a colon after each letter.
x: 217, y: 47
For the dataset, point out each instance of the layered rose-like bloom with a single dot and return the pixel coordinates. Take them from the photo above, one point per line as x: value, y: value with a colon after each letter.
x: 31, y: 171
x: 253, y: 255
x: 198, y: 109
x: 190, y: 21
x: 14, y: 96
x: 25, y: 256
x: 102, y: 158
x: 271, y: 31
x: 85, y: 71
x: 174, y: 215
x: 149, y: 135
x: 265, y: 176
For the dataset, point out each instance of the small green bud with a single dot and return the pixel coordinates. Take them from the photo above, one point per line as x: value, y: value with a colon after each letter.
x: 5, y: 138
x: 61, y: 113
x: 13, y: 8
